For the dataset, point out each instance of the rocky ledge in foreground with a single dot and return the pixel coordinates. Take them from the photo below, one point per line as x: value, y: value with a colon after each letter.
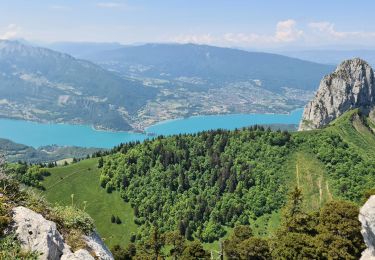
x: 351, y: 86
x: 367, y: 219
x: 38, y: 234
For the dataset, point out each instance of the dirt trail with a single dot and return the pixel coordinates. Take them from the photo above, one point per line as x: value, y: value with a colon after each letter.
x: 297, y: 175
x: 329, y: 193
x: 320, y: 190
x: 63, y: 179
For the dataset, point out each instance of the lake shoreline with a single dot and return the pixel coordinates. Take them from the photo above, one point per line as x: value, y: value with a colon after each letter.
x: 43, y: 134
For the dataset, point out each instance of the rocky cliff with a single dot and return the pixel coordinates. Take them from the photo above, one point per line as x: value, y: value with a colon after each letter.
x: 350, y: 86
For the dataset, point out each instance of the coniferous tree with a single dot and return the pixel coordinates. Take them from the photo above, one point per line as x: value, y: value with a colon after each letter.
x: 100, y: 162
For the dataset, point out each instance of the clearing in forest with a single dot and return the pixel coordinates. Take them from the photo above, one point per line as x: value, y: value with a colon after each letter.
x: 309, y: 177
x: 82, y: 180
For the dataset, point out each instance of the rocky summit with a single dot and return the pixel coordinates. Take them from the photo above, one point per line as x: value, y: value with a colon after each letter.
x: 350, y: 86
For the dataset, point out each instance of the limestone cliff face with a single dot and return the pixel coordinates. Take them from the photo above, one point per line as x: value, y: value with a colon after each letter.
x: 350, y: 86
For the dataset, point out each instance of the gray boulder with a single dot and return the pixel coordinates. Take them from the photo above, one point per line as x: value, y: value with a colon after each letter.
x: 351, y: 86
x: 367, y: 218
x: 38, y: 234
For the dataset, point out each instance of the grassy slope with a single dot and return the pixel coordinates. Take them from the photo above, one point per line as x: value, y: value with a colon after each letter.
x: 309, y: 173
x: 355, y: 133
x: 77, y: 179
x: 309, y: 176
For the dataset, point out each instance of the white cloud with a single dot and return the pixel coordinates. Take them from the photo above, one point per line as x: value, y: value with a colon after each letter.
x: 109, y: 5
x: 286, y: 31
x: 328, y: 28
x: 11, y: 31
x: 194, y: 38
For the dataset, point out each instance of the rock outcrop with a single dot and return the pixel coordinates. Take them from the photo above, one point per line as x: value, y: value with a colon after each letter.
x: 367, y: 218
x: 95, y: 243
x: 351, y: 86
x: 38, y: 234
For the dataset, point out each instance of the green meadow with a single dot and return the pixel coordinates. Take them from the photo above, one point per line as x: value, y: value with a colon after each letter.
x: 78, y: 184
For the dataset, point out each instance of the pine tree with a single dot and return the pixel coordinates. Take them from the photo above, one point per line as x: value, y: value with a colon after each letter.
x: 100, y: 162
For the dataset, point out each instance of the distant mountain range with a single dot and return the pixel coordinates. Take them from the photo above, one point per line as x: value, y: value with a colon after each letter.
x: 213, y: 66
x: 136, y: 86
x: 44, y: 85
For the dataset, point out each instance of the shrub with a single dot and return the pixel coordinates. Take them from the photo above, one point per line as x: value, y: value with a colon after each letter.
x: 72, y: 217
x: 10, y: 248
x: 74, y: 239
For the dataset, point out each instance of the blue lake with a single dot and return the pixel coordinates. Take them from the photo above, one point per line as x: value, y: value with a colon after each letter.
x: 36, y: 134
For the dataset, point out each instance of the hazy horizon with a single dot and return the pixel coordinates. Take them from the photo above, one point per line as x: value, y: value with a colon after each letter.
x: 249, y: 25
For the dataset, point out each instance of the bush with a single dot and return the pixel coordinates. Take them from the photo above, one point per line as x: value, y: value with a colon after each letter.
x: 72, y: 217
x: 10, y: 248
x: 74, y: 239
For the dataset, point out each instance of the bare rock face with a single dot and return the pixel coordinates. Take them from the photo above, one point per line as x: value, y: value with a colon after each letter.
x: 95, y: 243
x: 80, y: 254
x: 38, y: 234
x: 367, y: 218
x: 351, y: 86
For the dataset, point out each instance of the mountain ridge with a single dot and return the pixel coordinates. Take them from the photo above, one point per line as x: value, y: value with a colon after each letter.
x: 39, y: 84
x: 210, y: 59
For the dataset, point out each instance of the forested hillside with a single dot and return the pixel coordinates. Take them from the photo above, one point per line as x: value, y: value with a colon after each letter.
x: 198, y: 184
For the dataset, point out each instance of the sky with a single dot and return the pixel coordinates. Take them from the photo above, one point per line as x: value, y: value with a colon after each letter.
x: 262, y: 24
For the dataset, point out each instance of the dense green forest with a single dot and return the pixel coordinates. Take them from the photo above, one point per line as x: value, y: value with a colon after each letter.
x: 199, y: 184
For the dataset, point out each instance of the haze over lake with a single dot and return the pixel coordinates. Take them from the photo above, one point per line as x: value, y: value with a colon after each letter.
x: 37, y: 134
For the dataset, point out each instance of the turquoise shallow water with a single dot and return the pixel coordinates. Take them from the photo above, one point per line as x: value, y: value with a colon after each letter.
x: 36, y: 134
